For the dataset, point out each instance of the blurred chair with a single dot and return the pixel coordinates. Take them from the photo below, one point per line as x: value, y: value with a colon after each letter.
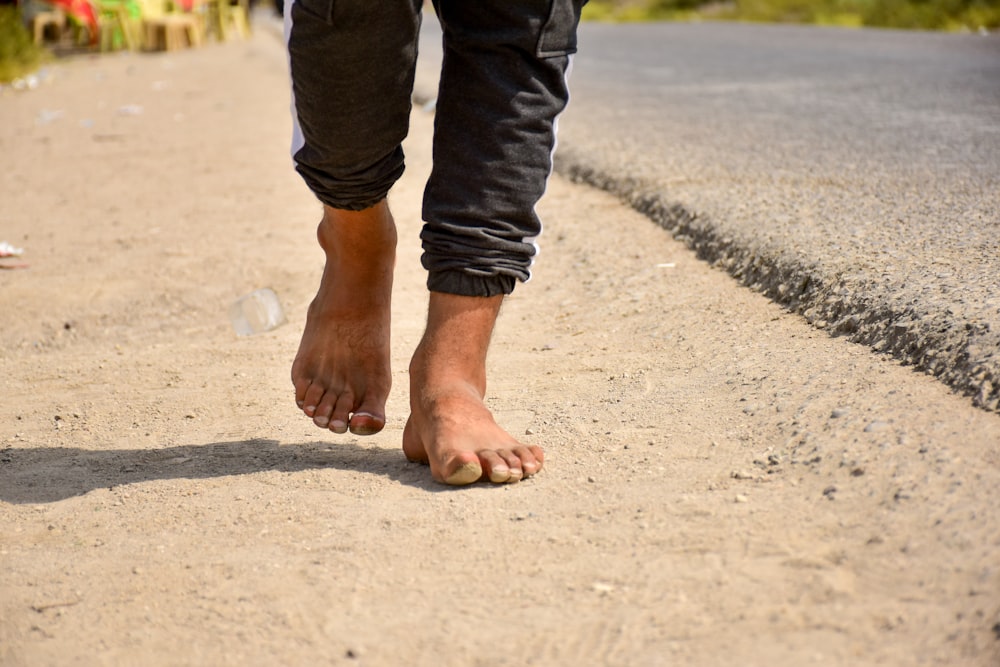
x: 53, y: 21
x: 225, y: 19
x: 78, y: 16
x: 119, y: 24
x: 166, y: 28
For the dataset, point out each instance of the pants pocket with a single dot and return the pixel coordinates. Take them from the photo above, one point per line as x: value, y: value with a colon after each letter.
x: 318, y: 9
x: 558, y: 36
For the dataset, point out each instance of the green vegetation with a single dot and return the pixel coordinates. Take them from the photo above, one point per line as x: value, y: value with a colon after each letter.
x: 19, y: 56
x: 951, y: 15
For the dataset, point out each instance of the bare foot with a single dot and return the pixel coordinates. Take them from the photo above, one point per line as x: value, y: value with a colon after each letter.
x: 341, y: 372
x: 449, y: 427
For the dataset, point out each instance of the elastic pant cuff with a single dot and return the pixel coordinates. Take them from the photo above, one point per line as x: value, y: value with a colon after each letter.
x: 464, y: 284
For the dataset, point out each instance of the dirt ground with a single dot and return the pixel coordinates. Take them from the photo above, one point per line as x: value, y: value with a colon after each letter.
x: 724, y: 485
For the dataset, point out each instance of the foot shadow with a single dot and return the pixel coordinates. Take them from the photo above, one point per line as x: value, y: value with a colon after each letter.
x: 50, y: 474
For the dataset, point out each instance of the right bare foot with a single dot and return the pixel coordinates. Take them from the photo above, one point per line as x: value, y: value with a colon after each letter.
x: 450, y: 428
x: 341, y: 372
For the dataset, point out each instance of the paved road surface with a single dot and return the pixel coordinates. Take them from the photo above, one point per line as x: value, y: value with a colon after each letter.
x: 854, y: 176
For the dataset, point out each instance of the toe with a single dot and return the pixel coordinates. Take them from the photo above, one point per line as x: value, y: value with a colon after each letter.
x: 531, y: 459
x: 463, y: 470
x: 301, y: 386
x: 342, y: 413
x: 324, y: 408
x: 366, y: 423
x: 321, y: 414
x: 311, y: 398
x: 516, y: 472
x: 369, y: 416
x: 495, y: 467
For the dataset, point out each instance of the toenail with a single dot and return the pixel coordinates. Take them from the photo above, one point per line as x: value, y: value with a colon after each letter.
x: 338, y: 426
x: 321, y: 421
x: 300, y: 404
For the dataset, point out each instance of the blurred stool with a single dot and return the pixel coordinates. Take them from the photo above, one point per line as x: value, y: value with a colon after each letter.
x: 117, y: 25
x: 171, y: 32
x: 224, y: 18
x: 54, y: 19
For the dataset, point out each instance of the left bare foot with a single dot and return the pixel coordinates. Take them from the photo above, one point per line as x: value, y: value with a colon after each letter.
x: 450, y: 428
x: 341, y: 372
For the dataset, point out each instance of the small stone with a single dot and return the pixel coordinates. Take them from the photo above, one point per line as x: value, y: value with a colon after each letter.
x: 591, y: 479
x: 829, y: 491
x: 529, y: 431
x: 740, y: 498
x: 876, y: 426
x: 839, y: 412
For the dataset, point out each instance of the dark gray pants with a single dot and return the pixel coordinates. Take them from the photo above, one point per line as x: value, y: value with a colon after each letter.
x: 503, y: 83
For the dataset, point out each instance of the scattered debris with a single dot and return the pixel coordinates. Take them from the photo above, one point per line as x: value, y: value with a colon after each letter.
x: 46, y: 116
x: 603, y: 588
x: 7, y: 251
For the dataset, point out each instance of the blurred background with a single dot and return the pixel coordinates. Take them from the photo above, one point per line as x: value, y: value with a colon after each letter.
x: 952, y: 15
x: 33, y: 31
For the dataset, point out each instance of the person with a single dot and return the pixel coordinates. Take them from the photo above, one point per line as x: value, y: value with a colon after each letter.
x: 502, y: 86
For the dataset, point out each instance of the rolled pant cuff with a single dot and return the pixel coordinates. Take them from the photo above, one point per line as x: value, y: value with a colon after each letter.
x: 464, y: 284
x: 349, y: 205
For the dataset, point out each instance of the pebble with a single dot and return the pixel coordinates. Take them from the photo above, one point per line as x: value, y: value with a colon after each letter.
x: 740, y: 498
x: 839, y: 412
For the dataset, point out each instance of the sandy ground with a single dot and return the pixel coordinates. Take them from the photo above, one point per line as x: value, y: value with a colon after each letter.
x: 724, y: 484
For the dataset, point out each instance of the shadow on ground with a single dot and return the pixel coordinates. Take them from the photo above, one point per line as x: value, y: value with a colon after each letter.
x: 50, y: 474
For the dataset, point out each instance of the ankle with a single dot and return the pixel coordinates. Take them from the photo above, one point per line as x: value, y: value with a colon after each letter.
x: 369, y: 234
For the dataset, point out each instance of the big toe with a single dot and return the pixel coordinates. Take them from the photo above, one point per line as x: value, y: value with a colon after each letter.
x: 461, y: 472
x: 366, y: 423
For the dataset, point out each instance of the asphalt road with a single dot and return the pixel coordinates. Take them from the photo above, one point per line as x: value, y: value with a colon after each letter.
x: 852, y: 175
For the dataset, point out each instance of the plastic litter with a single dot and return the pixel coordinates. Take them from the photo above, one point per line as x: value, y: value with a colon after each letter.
x: 257, y: 312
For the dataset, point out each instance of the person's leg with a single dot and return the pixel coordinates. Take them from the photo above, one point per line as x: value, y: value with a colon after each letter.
x: 341, y: 372
x: 450, y: 428
x: 502, y: 87
x: 352, y: 65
